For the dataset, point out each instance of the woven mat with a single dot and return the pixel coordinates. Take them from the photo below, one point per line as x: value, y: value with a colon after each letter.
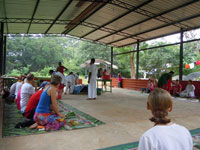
x: 133, y: 146
x: 11, y: 116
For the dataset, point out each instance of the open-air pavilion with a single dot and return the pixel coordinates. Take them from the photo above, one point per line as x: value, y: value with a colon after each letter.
x: 115, y: 23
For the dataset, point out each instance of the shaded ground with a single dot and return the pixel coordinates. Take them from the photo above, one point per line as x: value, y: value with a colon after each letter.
x: 125, y: 115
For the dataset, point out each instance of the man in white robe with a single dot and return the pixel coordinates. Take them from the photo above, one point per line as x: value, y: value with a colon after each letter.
x: 92, y: 91
x: 189, y: 90
x: 70, y: 82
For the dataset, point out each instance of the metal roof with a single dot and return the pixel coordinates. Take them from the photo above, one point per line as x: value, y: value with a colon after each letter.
x: 112, y: 22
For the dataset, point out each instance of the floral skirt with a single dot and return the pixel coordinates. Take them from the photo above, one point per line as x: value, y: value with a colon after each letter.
x: 49, y: 120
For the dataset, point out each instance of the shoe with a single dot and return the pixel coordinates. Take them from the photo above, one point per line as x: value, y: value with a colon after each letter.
x: 18, y: 125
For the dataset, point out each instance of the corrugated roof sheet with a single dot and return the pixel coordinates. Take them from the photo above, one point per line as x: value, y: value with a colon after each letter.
x: 114, y: 22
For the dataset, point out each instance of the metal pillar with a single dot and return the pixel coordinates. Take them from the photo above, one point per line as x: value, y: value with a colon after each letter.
x: 4, y: 53
x: 137, y: 61
x: 111, y: 67
x: 1, y: 48
x: 181, y: 56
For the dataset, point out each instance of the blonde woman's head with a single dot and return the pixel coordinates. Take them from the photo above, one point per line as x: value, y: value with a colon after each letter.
x: 56, y: 80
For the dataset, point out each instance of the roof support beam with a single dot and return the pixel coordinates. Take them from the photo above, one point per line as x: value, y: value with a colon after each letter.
x: 89, y: 11
x: 4, y: 54
x: 4, y: 6
x: 151, y: 38
x: 80, y: 3
x: 1, y: 48
x: 153, y: 17
x: 157, y: 28
x: 158, y: 46
x: 124, y: 14
x: 181, y: 56
x: 111, y: 65
x: 138, y: 58
x: 62, y: 22
x: 35, y: 9
x: 63, y: 10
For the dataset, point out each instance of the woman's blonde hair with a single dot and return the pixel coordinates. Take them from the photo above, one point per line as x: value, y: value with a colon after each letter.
x: 160, y: 102
x: 55, y: 80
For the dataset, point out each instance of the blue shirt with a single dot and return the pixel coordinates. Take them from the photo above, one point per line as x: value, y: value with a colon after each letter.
x: 44, y: 103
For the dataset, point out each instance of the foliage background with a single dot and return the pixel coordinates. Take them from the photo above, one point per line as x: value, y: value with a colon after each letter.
x: 40, y: 54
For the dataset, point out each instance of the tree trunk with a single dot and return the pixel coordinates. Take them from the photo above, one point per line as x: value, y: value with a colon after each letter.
x: 132, y: 63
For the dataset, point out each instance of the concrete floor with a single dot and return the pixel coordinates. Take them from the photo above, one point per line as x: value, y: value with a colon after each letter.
x: 123, y: 111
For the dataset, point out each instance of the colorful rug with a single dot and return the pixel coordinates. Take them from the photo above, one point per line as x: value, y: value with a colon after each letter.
x: 133, y: 146
x: 12, y: 116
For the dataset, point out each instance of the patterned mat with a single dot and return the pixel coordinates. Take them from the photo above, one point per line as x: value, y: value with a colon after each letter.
x: 12, y: 116
x: 133, y: 146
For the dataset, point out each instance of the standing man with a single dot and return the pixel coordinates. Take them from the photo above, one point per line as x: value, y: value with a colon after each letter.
x: 70, y: 82
x: 61, y: 68
x: 92, y: 91
x: 165, y: 81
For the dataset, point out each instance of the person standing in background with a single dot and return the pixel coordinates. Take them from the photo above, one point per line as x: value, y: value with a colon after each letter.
x: 92, y: 91
x: 61, y: 68
x: 165, y: 81
x: 119, y: 80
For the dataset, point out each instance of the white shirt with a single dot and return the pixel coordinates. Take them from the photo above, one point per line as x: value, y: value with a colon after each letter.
x: 13, y: 88
x: 171, y: 137
x: 18, y: 86
x: 93, y: 71
x: 61, y: 75
x: 70, y: 78
x: 190, y: 90
x: 26, y: 91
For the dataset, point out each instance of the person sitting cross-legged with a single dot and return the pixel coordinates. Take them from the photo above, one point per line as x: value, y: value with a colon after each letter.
x: 189, y: 91
x: 176, y: 89
x: 149, y: 88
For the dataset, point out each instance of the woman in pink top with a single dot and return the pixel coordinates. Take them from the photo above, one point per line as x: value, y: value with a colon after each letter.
x: 119, y: 80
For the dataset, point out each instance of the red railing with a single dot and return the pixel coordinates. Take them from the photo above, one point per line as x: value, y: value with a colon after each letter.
x: 138, y: 84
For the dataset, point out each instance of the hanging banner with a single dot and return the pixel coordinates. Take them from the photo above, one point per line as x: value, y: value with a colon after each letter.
x: 198, y: 62
x: 187, y: 66
x: 191, y: 65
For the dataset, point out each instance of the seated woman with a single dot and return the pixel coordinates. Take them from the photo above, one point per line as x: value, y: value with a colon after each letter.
x: 43, y: 115
x: 27, y: 90
x: 149, y: 88
x: 176, y: 89
x: 189, y: 90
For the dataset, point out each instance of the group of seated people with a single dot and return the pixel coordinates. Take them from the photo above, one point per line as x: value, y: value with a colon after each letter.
x: 176, y: 89
x: 187, y: 93
x: 151, y: 85
x: 38, y: 106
